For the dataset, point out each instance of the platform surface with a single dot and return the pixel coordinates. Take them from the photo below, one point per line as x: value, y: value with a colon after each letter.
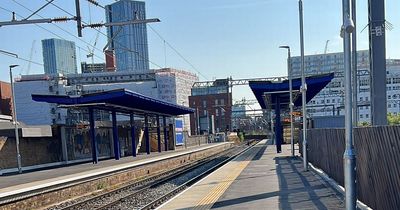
x: 259, y: 179
x: 11, y: 184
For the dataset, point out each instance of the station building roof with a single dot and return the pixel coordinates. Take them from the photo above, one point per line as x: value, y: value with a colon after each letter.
x: 272, y: 90
x: 119, y: 100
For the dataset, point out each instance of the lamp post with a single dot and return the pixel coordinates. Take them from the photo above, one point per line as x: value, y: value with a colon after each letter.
x: 349, y: 157
x: 15, y: 121
x: 290, y: 97
x: 303, y: 88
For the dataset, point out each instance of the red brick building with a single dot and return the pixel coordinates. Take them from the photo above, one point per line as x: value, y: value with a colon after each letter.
x: 5, y: 98
x: 213, y: 105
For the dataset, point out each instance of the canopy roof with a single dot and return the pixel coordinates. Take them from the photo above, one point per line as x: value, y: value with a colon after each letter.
x: 272, y: 90
x: 119, y: 100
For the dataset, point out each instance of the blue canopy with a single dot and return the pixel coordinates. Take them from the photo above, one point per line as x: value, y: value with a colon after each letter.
x: 120, y: 100
x: 314, y: 85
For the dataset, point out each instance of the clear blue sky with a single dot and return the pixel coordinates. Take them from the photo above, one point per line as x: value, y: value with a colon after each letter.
x: 221, y: 38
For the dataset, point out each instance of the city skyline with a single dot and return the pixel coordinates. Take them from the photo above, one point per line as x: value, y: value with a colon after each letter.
x: 219, y: 39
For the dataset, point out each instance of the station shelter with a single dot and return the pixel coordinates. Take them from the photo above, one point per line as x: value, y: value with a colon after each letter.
x: 276, y: 96
x: 131, y: 105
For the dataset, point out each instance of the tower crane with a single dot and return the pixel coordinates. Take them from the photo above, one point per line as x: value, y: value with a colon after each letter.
x: 91, y: 51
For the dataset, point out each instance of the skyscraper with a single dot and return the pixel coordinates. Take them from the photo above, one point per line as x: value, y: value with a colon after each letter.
x: 59, y: 56
x: 130, y: 41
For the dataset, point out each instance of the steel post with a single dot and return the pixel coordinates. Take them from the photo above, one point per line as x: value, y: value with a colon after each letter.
x: 158, y: 133
x: 117, y: 151
x: 15, y: 121
x: 165, y: 133
x: 303, y: 88
x: 291, y: 103
x: 349, y: 158
x: 133, y: 134
x: 95, y: 157
x: 146, y: 133
x: 354, y: 62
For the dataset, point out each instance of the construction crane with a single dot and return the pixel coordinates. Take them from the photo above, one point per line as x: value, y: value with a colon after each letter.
x: 28, y: 68
x: 91, y: 51
x: 326, y: 46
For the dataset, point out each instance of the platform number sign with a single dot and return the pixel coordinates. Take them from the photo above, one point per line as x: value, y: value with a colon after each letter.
x: 179, y: 131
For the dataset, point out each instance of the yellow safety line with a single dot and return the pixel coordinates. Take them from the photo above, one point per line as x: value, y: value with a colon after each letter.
x: 208, y: 201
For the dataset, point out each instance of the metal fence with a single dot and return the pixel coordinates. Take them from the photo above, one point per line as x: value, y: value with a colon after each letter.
x: 378, y: 161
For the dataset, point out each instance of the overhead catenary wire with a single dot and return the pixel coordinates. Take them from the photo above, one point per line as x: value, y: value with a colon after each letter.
x: 123, y: 47
x: 71, y: 34
x: 165, y: 42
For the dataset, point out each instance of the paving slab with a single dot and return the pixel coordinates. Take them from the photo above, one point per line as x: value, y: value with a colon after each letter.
x: 260, y: 179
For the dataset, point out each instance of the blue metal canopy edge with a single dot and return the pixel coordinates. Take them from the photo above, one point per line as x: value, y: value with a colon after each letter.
x: 119, y: 100
x: 314, y: 85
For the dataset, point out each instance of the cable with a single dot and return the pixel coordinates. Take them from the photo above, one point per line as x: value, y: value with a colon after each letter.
x: 176, y: 51
x: 101, y: 58
x: 122, y: 46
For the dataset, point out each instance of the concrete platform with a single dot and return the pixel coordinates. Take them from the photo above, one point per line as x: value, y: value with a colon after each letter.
x: 19, y: 183
x: 259, y: 179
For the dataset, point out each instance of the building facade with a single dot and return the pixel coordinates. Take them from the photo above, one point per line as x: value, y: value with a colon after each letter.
x: 330, y: 101
x: 213, y: 105
x: 59, y: 56
x: 5, y: 98
x: 129, y: 42
x: 93, y: 67
x: 157, y: 83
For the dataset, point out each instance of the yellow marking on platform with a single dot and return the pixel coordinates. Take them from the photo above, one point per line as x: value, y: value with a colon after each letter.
x: 208, y: 201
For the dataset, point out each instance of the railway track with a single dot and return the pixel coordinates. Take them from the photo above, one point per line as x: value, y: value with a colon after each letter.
x: 150, y: 192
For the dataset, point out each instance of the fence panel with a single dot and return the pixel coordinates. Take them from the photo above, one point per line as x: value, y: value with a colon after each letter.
x: 378, y: 161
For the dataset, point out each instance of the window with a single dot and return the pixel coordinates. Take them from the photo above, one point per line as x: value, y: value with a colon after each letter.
x: 389, y: 97
x: 204, y: 103
x: 216, y: 101
x: 361, y: 116
x: 389, y: 105
x: 328, y: 101
x: 217, y: 112
x: 333, y: 100
x: 222, y: 102
x: 366, y: 115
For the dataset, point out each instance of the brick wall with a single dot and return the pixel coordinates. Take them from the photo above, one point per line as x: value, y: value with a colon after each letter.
x: 33, y: 151
x: 5, y: 98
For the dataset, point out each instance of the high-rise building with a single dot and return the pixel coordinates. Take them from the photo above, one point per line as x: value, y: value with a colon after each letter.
x: 129, y: 42
x: 59, y: 56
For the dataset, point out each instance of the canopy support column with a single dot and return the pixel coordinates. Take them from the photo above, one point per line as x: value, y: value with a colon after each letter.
x: 158, y: 133
x: 117, y: 153
x: 133, y: 134
x: 95, y: 157
x: 278, y: 125
x: 146, y: 133
x: 165, y: 133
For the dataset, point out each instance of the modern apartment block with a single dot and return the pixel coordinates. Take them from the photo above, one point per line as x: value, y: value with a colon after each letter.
x: 59, y: 56
x: 129, y: 42
x: 330, y: 101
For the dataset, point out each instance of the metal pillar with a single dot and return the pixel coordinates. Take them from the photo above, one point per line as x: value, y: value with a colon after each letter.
x: 349, y: 158
x: 95, y: 157
x: 117, y: 152
x: 146, y: 133
x: 278, y: 126
x: 377, y: 59
x: 15, y: 121
x: 133, y: 134
x: 303, y: 88
x: 158, y: 133
x: 165, y: 133
x: 354, y: 62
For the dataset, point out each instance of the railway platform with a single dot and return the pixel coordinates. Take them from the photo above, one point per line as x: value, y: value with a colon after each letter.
x: 259, y: 179
x: 16, y: 184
